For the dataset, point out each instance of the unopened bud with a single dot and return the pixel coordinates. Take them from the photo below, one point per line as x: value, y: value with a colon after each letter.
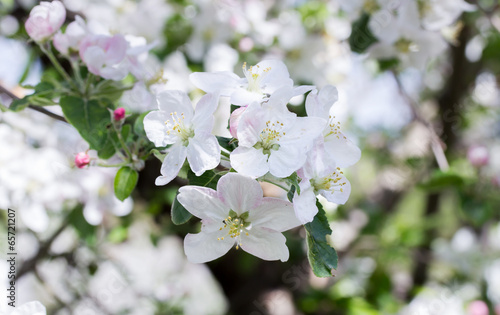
x: 82, y: 159
x: 478, y: 155
x: 119, y: 113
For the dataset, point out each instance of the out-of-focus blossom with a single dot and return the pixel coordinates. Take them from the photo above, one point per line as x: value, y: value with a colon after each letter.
x: 237, y: 213
x: 438, y: 14
x: 68, y: 42
x: 478, y: 155
x: 119, y: 113
x: 30, y: 308
x: 189, y: 131
x: 82, y: 159
x: 478, y: 308
x: 104, y: 55
x: 45, y: 19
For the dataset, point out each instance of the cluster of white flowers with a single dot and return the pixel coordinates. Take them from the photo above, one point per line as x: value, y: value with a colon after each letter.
x: 272, y: 144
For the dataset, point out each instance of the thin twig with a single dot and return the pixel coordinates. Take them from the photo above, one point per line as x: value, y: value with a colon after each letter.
x: 436, y: 143
x: 37, y: 108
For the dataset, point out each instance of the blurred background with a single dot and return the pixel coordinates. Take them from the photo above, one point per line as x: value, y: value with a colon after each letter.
x: 420, y: 233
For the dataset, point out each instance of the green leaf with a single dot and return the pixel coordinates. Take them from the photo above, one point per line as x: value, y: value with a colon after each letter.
x: 19, y: 105
x: 227, y: 143
x: 208, y: 179
x: 160, y: 156
x: 441, y: 180
x: 125, y: 181
x: 139, y: 124
x: 322, y: 257
x: 179, y: 214
x: 86, y: 231
x: 290, y: 193
x: 126, y: 131
x: 294, y: 181
x: 361, y: 37
x: 107, y: 151
x: 89, y: 118
x: 110, y: 90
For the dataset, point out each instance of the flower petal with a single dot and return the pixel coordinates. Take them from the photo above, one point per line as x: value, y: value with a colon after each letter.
x: 342, y: 150
x: 172, y: 164
x: 251, y: 123
x: 204, y: 246
x: 203, y: 152
x: 171, y: 101
x: 239, y: 193
x: 265, y: 244
x: 305, y: 203
x: 156, y: 130
x: 286, y: 160
x: 217, y: 82
x: 275, y: 214
x: 249, y: 161
x: 203, y: 119
x: 202, y: 202
x: 277, y: 76
x: 337, y: 196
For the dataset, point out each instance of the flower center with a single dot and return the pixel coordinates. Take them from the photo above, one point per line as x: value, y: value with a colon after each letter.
x: 270, y: 136
x: 405, y: 46
x: 178, y: 127
x: 332, y: 182
x: 254, y: 79
x: 235, y: 225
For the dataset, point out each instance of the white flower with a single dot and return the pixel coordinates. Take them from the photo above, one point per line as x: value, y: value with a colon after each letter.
x: 187, y: 130
x: 319, y: 177
x: 104, y: 55
x: 260, y: 81
x: 30, y: 308
x: 237, y: 213
x: 45, y: 19
x: 342, y: 150
x: 69, y: 41
x: 272, y: 139
x: 437, y: 14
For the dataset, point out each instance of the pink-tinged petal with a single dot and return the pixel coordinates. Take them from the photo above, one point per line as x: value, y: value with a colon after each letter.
x: 217, y: 82
x: 305, y: 203
x: 204, y: 246
x: 93, y: 57
x: 276, y: 77
x: 243, y: 97
x: 265, y: 244
x: 251, y: 123
x: 239, y: 193
x: 57, y: 14
x: 203, y: 203
x: 173, y: 101
x: 342, y: 150
x: 249, y: 161
x: 286, y: 160
x: 115, y: 73
x: 302, y: 89
x: 156, y: 130
x: 234, y: 121
x: 203, y: 119
x: 116, y: 49
x: 172, y: 164
x: 337, y: 196
x: 203, y: 153
x: 275, y: 214
x: 319, y: 104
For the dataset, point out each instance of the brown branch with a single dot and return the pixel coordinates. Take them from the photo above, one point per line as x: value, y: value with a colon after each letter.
x: 37, y: 108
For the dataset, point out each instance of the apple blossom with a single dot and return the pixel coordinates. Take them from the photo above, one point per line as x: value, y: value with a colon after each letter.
x: 344, y: 152
x: 104, y: 55
x: 68, y: 42
x: 188, y: 131
x: 319, y: 176
x: 260, y: 81
x: 478, y: 155
x: 30, y: 308
x: 82, y: 159
x: 119, y: 114
x: 272, y: 139
x: 237, y: 213
x: 45, y: 19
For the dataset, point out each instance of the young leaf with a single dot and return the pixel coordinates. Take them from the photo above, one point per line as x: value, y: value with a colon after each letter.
x: 361, y: 37
x: 179, y: 214
x: 125, y: 181
x: 227, y: 143
x: 322, y: 257
x: 89, y: 118
x: 208, y: 179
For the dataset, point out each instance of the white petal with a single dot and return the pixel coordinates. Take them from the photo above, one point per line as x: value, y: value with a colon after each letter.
x: 203, y: 153
x: 203, y: 203
x: 342, y: 150
x: 302, y: 89
x: 171, y: 101
x: 276, y: 77
x: 305, y: 130
x: 156, y: 130
x: 338, y: 197
x: 242, y: 97
x: 35, y: 217
x: 305, y: 203
x: 239, y: 193
x: 172, y: 165
x: 286, y: 160
x: 218, y: 82
x: 265, y: 244
x: 319, y: 104
x: 250, y: 125
x: 249, y: 161
x: 30, y: 308
x: 203, y: 119
x: 204, y: 246
x: 92, y: 212
x: 274, y: 214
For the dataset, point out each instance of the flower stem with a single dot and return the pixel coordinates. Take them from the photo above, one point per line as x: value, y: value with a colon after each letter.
x: 282, y: 187
x: 48, y: 51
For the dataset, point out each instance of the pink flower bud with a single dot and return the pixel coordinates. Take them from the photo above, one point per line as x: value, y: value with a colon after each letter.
x: 478, y: 155
x: 235, y: 119
x: 45, y: 19
x: 82, y: 159
x: 478, y: 308
x: 119, y: 113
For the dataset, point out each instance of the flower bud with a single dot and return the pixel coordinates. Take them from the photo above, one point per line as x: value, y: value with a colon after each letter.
x: 82, y: 159
x: 119, y: 113
x: 45, y: 19
x: 478, y: 308
x: 235, y: 119
x: 478, y: 155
